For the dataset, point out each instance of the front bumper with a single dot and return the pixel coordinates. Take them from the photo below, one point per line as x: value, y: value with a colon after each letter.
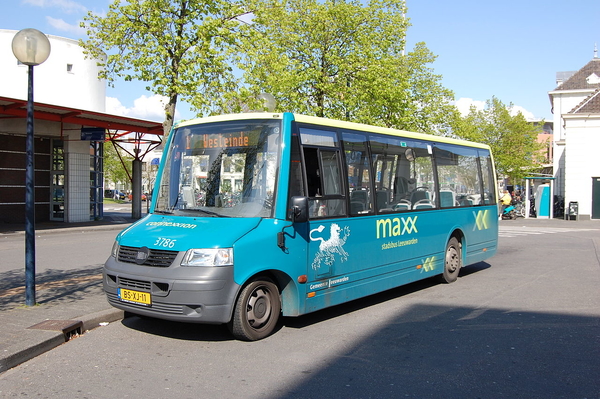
x: 186, y: 294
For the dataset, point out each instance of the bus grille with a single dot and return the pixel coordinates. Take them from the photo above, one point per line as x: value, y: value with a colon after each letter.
x: 156, y: 257
x: 165, y: 308
x: 135, y: 284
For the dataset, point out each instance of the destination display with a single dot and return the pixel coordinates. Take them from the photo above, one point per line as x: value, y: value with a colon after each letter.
x: 224, y: 140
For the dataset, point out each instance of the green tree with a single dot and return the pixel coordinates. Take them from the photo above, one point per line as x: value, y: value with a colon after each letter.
x: 512, y: 139
x: 345, y: 59
x: 179, y: 47
x: 117, y: 164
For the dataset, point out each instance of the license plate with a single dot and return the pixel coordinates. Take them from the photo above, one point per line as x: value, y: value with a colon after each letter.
x: 138, y: 297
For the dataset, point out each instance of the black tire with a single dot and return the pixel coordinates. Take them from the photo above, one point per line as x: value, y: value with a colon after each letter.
x: 257, y: 311
x: 452, y: 261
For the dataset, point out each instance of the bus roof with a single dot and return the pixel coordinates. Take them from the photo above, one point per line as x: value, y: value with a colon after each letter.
x: 333, y: 123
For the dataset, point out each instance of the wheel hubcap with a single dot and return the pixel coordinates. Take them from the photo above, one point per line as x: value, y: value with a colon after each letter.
x: 452, y: 261
x: 259, y: 308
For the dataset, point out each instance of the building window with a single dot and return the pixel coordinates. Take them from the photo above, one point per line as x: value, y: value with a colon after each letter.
x: 70, y: 68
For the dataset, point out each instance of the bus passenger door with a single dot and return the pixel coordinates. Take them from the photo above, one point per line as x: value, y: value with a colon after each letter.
x: 326, y: 202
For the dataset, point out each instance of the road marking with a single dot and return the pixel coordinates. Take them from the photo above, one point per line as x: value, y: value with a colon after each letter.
x: 508, y: 232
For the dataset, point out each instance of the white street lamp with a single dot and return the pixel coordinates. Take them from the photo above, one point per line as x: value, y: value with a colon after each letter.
x: 31, y: 47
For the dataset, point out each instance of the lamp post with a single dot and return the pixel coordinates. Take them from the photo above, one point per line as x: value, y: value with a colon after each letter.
x: 31, y: 47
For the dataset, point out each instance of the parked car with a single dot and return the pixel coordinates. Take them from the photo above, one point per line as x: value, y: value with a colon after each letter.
x: 111, y: 194
x: 130, y: 197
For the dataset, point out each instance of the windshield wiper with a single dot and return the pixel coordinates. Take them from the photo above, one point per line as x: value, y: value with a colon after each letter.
x: 165, y: 212
x: 215, y: 214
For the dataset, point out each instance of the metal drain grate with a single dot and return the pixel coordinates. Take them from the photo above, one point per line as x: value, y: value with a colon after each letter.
x: 69, y: 328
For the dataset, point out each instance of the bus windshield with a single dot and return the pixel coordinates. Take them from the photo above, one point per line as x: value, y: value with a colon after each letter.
x: 221, y: 169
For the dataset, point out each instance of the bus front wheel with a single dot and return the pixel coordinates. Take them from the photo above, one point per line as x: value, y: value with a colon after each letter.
x: 256, y: 311
x: 452, y: 261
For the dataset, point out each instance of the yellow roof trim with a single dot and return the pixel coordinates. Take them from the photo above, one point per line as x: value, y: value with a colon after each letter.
x: 334, y: 123
x: 230, y: 117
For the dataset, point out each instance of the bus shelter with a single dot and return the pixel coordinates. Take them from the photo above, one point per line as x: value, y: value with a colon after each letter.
x: 69, y: 164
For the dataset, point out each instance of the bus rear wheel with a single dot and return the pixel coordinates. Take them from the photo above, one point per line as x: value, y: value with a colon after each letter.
x: 452, y: 261
x: 256, y: 311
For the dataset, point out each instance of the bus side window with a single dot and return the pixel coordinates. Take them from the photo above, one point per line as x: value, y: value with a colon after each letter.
x: 487, y: 173
x: 324, y: 182
x: 458, y: 174
x: 313, y: 174
x: 296, y: 181
x: 403, y: 174
x: 359, y: 173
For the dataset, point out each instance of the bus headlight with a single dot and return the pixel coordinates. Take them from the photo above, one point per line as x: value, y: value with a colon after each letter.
x: 115, y: 250
x: 208, y: 257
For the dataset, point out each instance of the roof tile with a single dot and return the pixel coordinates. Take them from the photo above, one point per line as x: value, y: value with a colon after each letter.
x: 580, y: 79
x: 590, y: 105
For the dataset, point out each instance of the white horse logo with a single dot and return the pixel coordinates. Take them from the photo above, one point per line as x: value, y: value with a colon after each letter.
x: 328, y: 248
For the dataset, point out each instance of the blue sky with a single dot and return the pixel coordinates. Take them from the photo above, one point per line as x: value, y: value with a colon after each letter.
x: 510, y: 49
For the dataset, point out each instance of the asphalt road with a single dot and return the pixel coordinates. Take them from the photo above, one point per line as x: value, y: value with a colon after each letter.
x: 58, y: 251
x: 525, y: 324
x: 64, y: 249
x: 67, y: 259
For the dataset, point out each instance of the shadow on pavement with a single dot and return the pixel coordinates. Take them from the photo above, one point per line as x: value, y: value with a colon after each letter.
x: 436, y: 351
x: 466, y: 352
x: 179, y: 331
x: 52, y: 285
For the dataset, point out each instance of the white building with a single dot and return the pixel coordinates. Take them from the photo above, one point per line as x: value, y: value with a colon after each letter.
x: 69, y: 98
x: 66, y: 78
x: 576, y: 108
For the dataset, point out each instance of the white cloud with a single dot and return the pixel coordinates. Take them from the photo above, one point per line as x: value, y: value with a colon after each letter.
x: 65, y: 27
x: 515, y: 109
x: 150, y: 108
x: 68, y: 6
x: 114, y: 106
x: 464, y: 105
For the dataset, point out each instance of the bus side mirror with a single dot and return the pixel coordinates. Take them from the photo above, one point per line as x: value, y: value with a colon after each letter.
x: 298, y: 214
x: 299, y: 210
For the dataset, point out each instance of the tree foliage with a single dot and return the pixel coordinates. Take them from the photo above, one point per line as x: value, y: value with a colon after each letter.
x: 114, y: 170
x: 179, y: 47
x: 345, y: 60
x: 512, y: 139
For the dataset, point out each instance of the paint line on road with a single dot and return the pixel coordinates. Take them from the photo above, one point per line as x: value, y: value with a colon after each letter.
x: 508, y: 232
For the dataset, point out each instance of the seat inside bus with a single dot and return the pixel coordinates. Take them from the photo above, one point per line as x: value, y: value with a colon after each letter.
x: 418, y: 195
x: 447, y: 198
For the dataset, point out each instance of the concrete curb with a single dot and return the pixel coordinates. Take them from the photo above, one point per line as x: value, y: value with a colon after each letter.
x: 37, y: 342
x: 105, y: 316
x: 34, y: 344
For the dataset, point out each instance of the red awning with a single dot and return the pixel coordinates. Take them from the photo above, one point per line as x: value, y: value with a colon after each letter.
x: 15, y: 108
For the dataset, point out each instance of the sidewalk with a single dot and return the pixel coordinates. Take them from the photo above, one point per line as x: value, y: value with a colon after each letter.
x: 83, y: 306
x: 78, y: 303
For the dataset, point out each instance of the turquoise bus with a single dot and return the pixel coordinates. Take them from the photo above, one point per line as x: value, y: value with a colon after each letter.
x: 261, y: 215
